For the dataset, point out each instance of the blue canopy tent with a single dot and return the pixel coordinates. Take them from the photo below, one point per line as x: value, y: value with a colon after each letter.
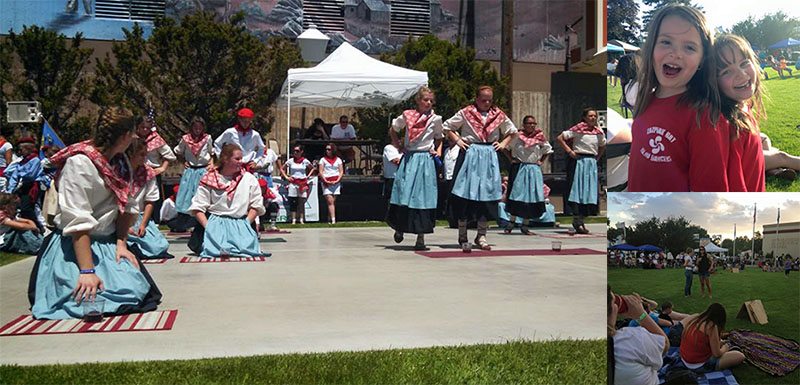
x: 650, y: 248
x: 623, y: 246
x: 614, y: 48
x: 785, y: 43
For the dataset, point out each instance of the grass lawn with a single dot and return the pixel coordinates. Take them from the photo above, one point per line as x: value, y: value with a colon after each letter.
x: 575, y: 362
x: 780, y: 297
x: 6, y: 258
x: 782, y: 107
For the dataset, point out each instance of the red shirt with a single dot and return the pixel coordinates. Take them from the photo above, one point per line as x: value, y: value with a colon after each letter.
x: 670, y: 153
x: 695, y: 347
x: 746, y: 164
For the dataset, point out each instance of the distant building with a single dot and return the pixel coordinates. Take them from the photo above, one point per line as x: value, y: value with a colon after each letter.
x: 788, y: 239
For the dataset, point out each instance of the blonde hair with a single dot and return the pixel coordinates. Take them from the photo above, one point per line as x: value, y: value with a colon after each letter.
x: 484, y: 88
x: 226, y: 153
x: 731, y: 109
x: 115, y: 123
x: 422, y: 91
x: 701, y: 92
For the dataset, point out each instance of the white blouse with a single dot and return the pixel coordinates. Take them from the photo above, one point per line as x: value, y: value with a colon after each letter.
x: 84, y: 202
x: 297, y: 170
x: 203, y: 157
x: 426, y: 140
x: 267, y: 160
x: 251, y: 143
x: 530, y: 154
x: 158, y: 155
x: 149, y: 193
x: 247, y: 196
x: 330, y: 170
x: 585, y: 144
x: 458, y: 123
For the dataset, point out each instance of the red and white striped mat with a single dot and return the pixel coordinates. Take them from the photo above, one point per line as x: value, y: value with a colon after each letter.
x: 154, y: 261
x: 154, y: 320
x: 222, y: 259
x: 566, y: 235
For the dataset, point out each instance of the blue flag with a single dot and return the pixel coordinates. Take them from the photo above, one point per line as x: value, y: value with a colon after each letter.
x: 49, y: 138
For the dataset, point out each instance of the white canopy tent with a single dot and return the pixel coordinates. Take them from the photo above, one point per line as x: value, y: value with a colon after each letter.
x: 348, y: 78
x: 712, y: 248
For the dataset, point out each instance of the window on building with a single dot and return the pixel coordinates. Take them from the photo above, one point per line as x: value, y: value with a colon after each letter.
x: 410, y: 17
x: 134, y: 10
x: 325, y: 14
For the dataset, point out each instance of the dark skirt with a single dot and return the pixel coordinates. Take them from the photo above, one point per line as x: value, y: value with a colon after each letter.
x: 414, y: 221
x: 522, y: 209
x: 573, y: 208
x: 459, y: 208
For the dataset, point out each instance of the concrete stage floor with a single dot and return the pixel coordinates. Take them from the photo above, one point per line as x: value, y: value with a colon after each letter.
x: 343, y: 289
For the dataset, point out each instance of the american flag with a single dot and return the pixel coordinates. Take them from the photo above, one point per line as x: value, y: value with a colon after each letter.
x: 151, y: 114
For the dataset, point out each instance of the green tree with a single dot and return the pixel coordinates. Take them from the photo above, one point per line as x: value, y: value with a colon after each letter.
x: 453, y: 74
x: 768, y: 30
x: 622, y: 23
x: 52, y: 74
x: 197, y: 66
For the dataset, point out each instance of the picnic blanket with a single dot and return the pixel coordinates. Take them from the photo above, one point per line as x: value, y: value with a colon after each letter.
x: 150, y: 321
x: 774, y: 355
x: 673, y: 363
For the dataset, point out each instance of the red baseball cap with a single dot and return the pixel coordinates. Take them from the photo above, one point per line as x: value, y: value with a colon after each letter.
x: 245, y: 113
x: 26, y: 140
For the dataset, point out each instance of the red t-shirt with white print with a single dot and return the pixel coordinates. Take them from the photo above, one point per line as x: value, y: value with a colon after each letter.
x: 670, y: 153
x: 746, y: 163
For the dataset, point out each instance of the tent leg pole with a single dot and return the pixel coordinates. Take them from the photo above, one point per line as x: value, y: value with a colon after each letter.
x: 288, y: 117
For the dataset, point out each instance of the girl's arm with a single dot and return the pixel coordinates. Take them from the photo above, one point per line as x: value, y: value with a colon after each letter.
x: 8, y: 156
x: 341, y: 172
x: 504, y: 143
x: 563, y: 143
x: 148, y: 213
x: 88, y: 284
x: 394, y: 137
x: 124, y: 222
x: 600, y: 152
x: 320, y: 168
x: 251, y: 215
x: 455, y: 138
x: 284, y: 169
x: 543, y: 159
x: 21, y: 224
x: 201, y: 218
x: 717, y: 349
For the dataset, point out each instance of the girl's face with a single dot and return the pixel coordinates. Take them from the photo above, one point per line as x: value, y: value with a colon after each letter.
x: 738, y: 80
x: 591, y: 118
x: 235, y: 161
x: 677, y: 55
x: 484, y: 100
x: 425, y: 102
x: 143, y: 129
x: 297, y: 152
x: 198, y: 129
x: 529, y: 125
x: 137, y: 158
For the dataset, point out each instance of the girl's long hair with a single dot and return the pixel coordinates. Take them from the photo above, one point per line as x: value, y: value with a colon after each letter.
x: 714, y: 314
x: 701, y: 94
x: 739, y: 120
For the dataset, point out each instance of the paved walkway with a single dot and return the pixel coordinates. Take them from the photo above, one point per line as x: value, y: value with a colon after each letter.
x: 342, y: 289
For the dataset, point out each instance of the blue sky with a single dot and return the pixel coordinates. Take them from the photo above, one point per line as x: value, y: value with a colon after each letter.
x: 716, y: 212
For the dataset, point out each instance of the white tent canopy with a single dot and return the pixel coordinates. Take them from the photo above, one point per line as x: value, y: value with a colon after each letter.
x: 350, y: 78
x: 712, y: 248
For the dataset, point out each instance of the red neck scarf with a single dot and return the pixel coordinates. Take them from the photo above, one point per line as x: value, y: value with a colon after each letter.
x: 2, y: 141
x: 528, y: 140
x: 29, y: 157
x: 116, y: 177
x: 330, y: 160
x: 195, y: 145
x: 141, y: 176
x: 416, y: 122
x: 583, y: 128
x: 298, y: 160
x: 495, y: 116
x: 154, y: 141
x: 214, y: 179
x: 243, y: 130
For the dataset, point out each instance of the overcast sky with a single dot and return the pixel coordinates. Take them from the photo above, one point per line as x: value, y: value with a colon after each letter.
x: 726, y: 13
x: 716, y: 212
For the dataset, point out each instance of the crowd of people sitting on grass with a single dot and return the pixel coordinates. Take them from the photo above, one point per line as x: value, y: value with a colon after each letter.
x: 641, y: 333
x: 659, y: 260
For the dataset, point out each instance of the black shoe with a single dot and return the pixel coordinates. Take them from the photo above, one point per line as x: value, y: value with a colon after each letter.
x: 398, y: 237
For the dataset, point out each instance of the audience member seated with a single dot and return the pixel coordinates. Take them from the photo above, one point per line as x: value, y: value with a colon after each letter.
x: 345, y: 131
x: 634, y: 353
x: 702, y: 348
x: 316, y: 131
x: 17, y: 235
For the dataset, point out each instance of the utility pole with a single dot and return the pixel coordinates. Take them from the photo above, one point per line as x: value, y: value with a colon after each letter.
x: 507, y: 50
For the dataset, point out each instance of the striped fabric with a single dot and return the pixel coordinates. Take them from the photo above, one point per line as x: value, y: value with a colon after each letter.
x: 222, y: 259
x: 27, y: 325
x: 154, y: 261
x: 566, y: 235
x: 774, y: 355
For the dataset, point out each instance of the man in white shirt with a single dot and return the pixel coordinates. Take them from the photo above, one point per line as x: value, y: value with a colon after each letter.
x: 244, y: 136
x: 344, y: 130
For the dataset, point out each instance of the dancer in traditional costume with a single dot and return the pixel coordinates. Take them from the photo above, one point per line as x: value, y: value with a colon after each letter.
x: 6, y: 155
x: 331, y: 170
x: 159, y: 155
x: 412, y: 206
x: 17, y: 235
x: 232, y: 198
x: 144, y: 238
x: 479, y: 130
x: 586, y: 149
x: 196, y: 149
x: 27, y: 179
x: 297, y: 170
x: 529, y: 150
x: 244, y: 136
x: 87, y: 255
